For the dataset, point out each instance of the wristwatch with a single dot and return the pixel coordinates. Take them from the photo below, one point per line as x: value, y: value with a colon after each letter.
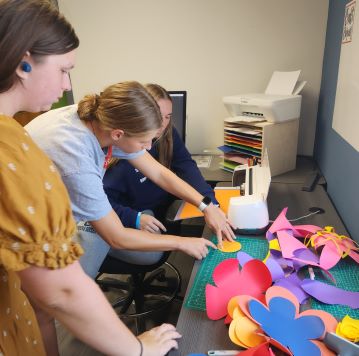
x: 204, y: 203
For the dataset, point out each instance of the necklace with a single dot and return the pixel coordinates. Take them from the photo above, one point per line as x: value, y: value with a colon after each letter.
x: 109, y: 149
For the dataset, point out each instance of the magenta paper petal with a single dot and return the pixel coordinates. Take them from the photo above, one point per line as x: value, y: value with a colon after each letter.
x: 329, y: 256
x: 304, y: 230
x: 282, y: 223
x: 288, y: 244
x: 329, y: 294
x: 354, y: 256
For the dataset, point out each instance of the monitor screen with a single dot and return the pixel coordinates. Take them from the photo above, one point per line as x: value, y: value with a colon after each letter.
x: 179, y: 98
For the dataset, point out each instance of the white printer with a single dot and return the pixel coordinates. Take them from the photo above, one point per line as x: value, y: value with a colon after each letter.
x: 279, y: 103
x: 271, y: 108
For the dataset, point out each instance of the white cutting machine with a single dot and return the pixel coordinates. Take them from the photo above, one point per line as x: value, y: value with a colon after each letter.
x: 248, y: 213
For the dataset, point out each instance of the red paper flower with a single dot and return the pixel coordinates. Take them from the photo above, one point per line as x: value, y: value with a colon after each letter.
x: 254, y: 279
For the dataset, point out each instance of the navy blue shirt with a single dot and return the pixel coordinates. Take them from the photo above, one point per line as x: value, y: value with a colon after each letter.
x: 130, y: 192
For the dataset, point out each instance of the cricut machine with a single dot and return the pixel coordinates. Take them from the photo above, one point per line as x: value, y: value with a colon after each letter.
x: 280, y: 101
x: 248, y: 213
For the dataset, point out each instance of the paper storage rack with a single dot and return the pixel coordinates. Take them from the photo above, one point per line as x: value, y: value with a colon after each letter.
x: 245, y: 142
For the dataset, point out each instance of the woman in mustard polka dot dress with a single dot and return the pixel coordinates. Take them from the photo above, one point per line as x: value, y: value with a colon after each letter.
x: 39, y: 270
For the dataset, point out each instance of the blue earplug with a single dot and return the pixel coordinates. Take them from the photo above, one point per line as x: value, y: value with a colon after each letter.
x: 26, y: 67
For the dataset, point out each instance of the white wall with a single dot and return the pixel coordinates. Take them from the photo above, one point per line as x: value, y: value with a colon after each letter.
x: 211, y: 48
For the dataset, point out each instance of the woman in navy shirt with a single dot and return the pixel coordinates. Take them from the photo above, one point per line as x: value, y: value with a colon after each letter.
x: 132, y: 195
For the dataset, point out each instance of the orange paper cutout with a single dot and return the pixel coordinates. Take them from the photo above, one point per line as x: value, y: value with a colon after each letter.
x: 187, y: 210
x: 230, y: 246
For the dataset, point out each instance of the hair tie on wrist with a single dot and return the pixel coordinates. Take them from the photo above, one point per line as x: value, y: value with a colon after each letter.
x: 141, y: 346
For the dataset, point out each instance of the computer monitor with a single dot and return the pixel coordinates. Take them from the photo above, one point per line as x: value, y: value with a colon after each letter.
x: 179, y: 99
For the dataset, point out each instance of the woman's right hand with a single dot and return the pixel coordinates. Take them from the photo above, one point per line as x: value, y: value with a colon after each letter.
x: 159, y: 340
x: 195, y: 246
x: 151, y: 224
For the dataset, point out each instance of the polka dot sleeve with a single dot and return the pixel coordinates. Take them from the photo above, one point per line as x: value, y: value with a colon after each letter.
x: 36, y: 226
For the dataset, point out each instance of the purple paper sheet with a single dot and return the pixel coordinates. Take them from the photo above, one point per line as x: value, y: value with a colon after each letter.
x: 293, y: 284
x: 329, y: 294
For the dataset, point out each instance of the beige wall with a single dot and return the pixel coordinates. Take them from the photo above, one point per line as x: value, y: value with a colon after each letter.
x: 211, y: 48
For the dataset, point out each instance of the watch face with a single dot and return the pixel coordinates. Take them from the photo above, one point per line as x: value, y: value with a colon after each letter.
x: 207, y: 200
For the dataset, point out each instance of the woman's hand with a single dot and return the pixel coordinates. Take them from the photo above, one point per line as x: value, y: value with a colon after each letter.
x: 159, y: 340
x: 151, y: 224
x: 195, y: 246
x: 217, y: 221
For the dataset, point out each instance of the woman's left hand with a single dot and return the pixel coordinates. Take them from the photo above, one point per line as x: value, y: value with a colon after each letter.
x: 218, y: 222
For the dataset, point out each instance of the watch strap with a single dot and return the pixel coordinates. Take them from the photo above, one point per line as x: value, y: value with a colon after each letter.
x: 204, y: 203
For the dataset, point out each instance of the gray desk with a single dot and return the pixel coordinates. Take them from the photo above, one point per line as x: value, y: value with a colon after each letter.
x: 201, y: 334
x: 214, y: 173
x: 304, y: 167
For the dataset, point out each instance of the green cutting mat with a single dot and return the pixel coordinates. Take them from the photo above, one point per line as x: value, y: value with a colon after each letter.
x: 346, y: 274
x: 196, y: 298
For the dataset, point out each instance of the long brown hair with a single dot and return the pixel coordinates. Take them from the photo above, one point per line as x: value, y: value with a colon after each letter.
x: 33, y: 26
x: 164, y: 143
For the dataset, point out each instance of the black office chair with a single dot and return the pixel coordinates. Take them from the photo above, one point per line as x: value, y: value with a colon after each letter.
x: 148, y: 288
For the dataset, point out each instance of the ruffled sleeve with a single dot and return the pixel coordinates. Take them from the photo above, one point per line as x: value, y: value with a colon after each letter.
x: 36, y: 225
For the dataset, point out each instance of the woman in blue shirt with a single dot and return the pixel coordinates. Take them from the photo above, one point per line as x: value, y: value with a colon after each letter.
x: 80, y: 139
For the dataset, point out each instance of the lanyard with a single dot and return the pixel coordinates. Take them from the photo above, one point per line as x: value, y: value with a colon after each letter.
x: 108, y: 157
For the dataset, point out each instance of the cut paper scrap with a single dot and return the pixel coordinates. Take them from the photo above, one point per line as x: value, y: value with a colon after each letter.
x: 348, y: 328
x: 274, y: 268
x: 335, y: 247
x: 254, y: 279
x: 280, y: 323
x: 273, y: 245
x: 288, y: 243
x: 230, y: 246
x: 223, y: 195
x: 293, y: 249
x: 293, y: 284
x: 282, y: 223
x: 329, y: 294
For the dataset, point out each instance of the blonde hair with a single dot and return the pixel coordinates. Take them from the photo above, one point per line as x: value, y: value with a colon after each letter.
x: 164, y: 143
x: 127, y: 106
